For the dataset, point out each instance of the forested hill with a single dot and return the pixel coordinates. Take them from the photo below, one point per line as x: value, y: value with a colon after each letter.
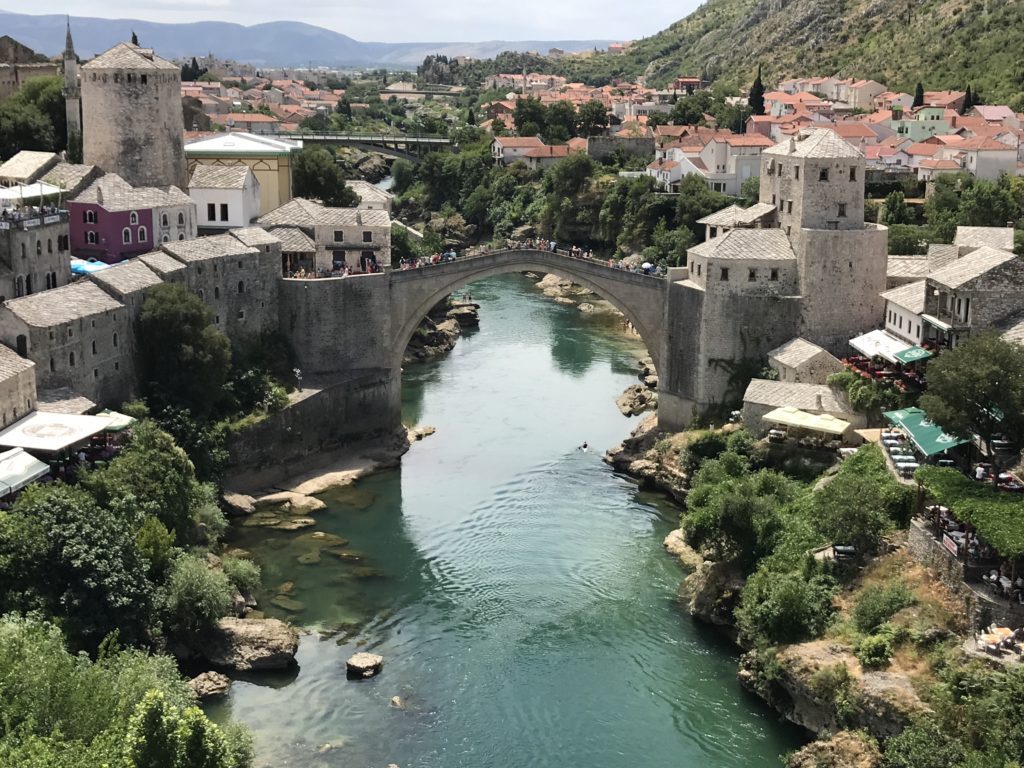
x: 942, y: 43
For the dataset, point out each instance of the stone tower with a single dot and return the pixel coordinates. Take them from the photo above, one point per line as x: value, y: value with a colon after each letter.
x: 132, y: 118
x: 72, y: 99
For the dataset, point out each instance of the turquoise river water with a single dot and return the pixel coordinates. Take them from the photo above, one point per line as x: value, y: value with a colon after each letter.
x: 516, y: 587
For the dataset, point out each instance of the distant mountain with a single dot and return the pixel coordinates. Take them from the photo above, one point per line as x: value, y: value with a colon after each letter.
x: 939, y: 43
x: 277, y: 43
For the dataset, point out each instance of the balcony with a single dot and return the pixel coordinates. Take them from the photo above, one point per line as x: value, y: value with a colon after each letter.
x: 33, y: 221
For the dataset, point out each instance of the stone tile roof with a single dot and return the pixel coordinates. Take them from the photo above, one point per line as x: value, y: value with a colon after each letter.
x: 128, y: 56
x: 795, y: 352
x: 803, y: 396
x: 219, y: 176
x: 294, y: 240
x: 300, y: 212
x: 971, y: 266
x: 907, y: 266
x: 816, y: 143
x: 205, y: 248
x: 11, y: 363
x: 735, y: 216
x: 753, y: 244
x: 352, y: 217
x: 910, y: 296
x: 70, y: 176
x: 161, y: 263
x: 994, y: 237
x: 368, y: 191
x: 941, y: 255
x: 253, y: 236
x: 63, y: 305
x: 126, y: 277
x: 63, y: 400
x: 26, y: 165
x: 116, y: 194
x: 1013, y: 329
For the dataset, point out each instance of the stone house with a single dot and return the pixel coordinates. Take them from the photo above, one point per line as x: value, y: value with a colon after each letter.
x: 226, y: 196
x: 35, y: 252
x: 764, y: 395
x: 112, y: 221
x: 371, y: 197
x: 17, y: 386
x: 802, y: 362
x: 904, y: 306
x: 507, y: 149
x: 255, y: 123
x: 735, y: 217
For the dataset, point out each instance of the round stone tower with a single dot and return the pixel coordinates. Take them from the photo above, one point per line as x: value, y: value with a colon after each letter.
x: 131, y: 116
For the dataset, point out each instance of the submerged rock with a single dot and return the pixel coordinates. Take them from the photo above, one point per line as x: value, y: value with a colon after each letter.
x: 364, y: 665
x: 286, y: 603
x: 295, y: 524
x: 209, y: 684
x: 248, y: 644
x: 397, y: 702
x: 309, y: 558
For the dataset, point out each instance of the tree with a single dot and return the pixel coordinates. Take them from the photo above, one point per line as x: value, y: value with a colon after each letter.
x: 690, y: 110
x: 750, y: 190
x: 160, y: 735
x: 196, y: 597
x: 344, y: 108
x: 918, y: 97
x: 470, y: 116
x: 896, y: 211
x: 316, y: 175
x: 968, y: 101
x: 756, y: 98
x: 978, y: 389
x: 185, y: 359
x: 696, y: 201
x: 592, y: 119
x: 135, y: 38
x: 987, y: 204
x: 403, y: 175
x: 23, y: 126
x: 529, y: 111
x: 560, y: 122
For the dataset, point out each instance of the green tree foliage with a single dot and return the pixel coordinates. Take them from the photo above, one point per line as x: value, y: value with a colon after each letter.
x: 696, y: 201
x: 907, y: 239
x: 896, y: 211
x: 156, y: 545
x: 26, y: 124
x: 924, y: 745
x: 243, y: 574
x: 756, y: 98
x: 559, y: 122
x: 63, y: 554
x: 162, y: 735
x: 978, y: 389
x: 530, y: 111
x: 918, y: 96
x: 690, y: 110
x: 185, y: 359
x: 750, y: 191
x: 196, y: 597
x: 403, y: 175
x: 316, y: 175
x: 878, y: 603
x: 592, y: 119
x: 785, y: 608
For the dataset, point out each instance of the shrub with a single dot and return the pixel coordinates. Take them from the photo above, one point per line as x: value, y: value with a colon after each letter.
x: 880, y: 602
x: 875, y: 651
x: 923, y: 745
x: 707, y: 445
x: 243, y: 574
x: 834, y: 686
x: 156, y: 544
x: 196, y: 597
x: 785, y: 608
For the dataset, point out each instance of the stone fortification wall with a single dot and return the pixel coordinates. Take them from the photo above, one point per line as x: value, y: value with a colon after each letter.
x: 678, y: 382
x: 337, y: 324
x: 349, y: 409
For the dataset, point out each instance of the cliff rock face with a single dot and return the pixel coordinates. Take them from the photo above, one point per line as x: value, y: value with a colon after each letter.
x: 712, y: 592
x: 642, y: 455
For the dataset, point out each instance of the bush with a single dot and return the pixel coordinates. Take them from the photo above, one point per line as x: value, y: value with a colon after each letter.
x: 785, y: 608
x: 880, y: 602
x: 243, y: 574
x: 196, y: 597
x: 875, y: 651
x: 707, y: 445
x: 834, y: 686
x: 923, y: 745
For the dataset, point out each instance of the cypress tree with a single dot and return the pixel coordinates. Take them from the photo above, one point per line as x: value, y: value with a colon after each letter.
x: 756, y: 98
x: 135, y: 38
x: 968, y: 100
x: 918, y: 96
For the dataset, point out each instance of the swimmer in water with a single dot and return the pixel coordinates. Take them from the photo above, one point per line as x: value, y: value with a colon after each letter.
x: 584, y: 447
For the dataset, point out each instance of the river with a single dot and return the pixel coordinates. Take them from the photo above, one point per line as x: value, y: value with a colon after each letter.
x: 516, y: 586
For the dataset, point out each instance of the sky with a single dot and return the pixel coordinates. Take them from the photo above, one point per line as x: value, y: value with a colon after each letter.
x: 404, y: 20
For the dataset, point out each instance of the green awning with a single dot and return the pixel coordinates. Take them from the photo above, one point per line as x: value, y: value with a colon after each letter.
x: 18, y: 469
x: 913, y: 354
x: 928, y: 437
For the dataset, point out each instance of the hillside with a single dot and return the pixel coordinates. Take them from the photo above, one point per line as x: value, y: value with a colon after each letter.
x: 942, y: 43
x: 278, y: 43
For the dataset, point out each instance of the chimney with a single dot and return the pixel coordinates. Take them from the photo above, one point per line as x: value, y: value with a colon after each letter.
x: 792, y: 144
x: 818, y: 404
x: 99, y: 194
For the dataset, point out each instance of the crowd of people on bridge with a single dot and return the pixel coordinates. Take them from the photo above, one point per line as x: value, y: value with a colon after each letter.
x: 425, y: 261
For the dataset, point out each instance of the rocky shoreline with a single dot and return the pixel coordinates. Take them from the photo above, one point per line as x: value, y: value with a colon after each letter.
x: 440, y: 330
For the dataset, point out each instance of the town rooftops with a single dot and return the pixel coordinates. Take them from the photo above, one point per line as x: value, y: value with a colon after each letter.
x: 796, y: 352
x: 115, y: 194
x: 560, y: 150
x: 161, y: 263
x: 300, y: 212
x: 518, y: 142
x: 245, y: 117
x: 969, y: 267
x: 71, y: 177
x: 253, y: 236
x: 204, y: 248
x: 908, y: 266
x: 128, y: 56
x: 241, y: 143
x: 368, y: 192
x: 941, y: 254
x: 219, y: 176
x: 937, y: 164
x: 910, y: 296
x: 11, y: 363
x: 806, y: 397
x: 735, y: 216
x: 27, y: 166
x: 994, y: 237
x: 62, y: 305
x: 816, y: 143
x: 750, y: 244
x: 293, y: 240
x: 126, y: 277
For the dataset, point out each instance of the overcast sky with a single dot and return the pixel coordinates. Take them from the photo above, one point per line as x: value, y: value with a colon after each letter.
x: 403, y: 20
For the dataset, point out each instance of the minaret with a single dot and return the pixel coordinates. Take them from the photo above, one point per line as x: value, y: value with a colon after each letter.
x: 72, y: 99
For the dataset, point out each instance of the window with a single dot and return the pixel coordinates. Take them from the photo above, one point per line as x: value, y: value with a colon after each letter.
x: 201, y: 294
x: 126, y: 236
x: 53, y: 365
x: 95, y: 373
x: 24, y: 253
x: 339, y: 236
x: 751, y: 275
x: 367, y: 237
x: 90, y: 238
x: 90, y: 217
x: 94, y: 347
x: 49, y: 245
x: 796, y: 171
x: 241, y: 314
x: 143, y: 235
x: 842, y: 210
x: 19, y: 286
x: 211, y: 211
x: 115, y: 339
x: 71, y: 332
x: 241, y: 287
x: 789, y: 206
x: 773, y: 275
x: 223, y: 211
x: 181, y: 221
x: 823, y: 174
x: 239, y: 263
x: 164, y: 239
x: 28, y: 285
x: 773, y: 199
x: 117, y: 366
x: 853, y: 173
x: 143, y: 79
x: 698, y: 270
x: 724, y: 275
x: 39, y: 247
x: 71, y: 360
x: 163, y: 220
x: 216, y: 319
x: 133, y: 217
x: 216, y: 292
x: 181, y: 236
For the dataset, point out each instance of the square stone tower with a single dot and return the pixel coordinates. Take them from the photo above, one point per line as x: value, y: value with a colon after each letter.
x: 132, y: 118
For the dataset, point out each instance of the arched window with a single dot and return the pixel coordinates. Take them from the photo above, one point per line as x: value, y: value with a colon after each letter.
x: 126, y: 236
x: 90, y: 237
x: 49, y: 245
x: 181, y: 219
x: 241, y: 287
x: 28, y: 285
x: 163, y: 219
x: 164, y: 239
x: 201, y: 294
x: 181, y: 236
x: 90, y: 217
x: 19, y: 286
x: 143, y: 235
x: 133, y: 217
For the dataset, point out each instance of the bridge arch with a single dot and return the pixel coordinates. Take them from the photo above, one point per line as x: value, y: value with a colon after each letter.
x: 640, y: 298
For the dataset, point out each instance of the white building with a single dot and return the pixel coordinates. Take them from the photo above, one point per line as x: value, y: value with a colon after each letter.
x: 371, y: 197
x: 226, y: 197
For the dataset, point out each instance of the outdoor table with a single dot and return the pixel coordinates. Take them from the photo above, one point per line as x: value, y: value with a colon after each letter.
x: 1005, y: 632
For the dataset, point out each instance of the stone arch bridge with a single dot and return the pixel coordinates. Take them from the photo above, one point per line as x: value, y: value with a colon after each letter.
x: 359, y: 326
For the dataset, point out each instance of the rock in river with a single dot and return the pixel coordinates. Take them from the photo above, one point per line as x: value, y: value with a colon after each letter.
x: 363, y: 665
x: 209, y: 684
x: 245, y: 644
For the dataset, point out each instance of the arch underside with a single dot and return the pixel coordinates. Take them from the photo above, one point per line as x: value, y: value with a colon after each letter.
x: 524, y: 261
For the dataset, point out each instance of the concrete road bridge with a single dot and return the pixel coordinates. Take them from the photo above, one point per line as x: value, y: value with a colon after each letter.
x: 406, y: 146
